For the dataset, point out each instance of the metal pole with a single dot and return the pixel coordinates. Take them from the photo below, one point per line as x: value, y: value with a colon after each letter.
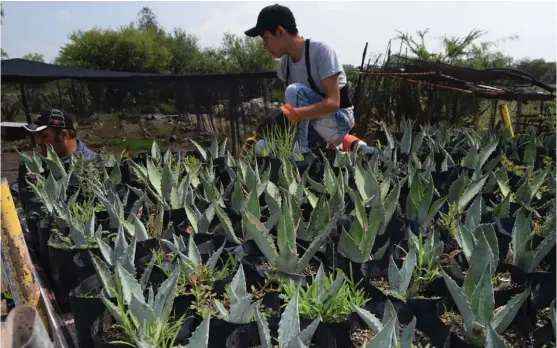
x: 506, y: 118
x: 24, y: 282
x: 26, y: 109
x: 18, y: 257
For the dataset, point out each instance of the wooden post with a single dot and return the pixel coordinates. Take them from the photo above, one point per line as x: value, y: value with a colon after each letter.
x: 26, y: 109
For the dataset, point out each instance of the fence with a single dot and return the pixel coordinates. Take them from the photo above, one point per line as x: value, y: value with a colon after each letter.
x: 433, y: 92
x: 229, y: 105
x: 226, y: 105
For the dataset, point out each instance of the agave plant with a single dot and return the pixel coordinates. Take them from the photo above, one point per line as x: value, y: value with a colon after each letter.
x: 52, y: 193
x: 289, y: 334
x: 462, y: 191
x: 32, y: 162
x: 164, y: 185
x: 215, y: 150
x: 525, y: 256
x: 478, y: 242
x: 358, y: 243
x: 475, y: 302
x: 477, y: 157
x: 420, y: 207
x: 196, y: 273
x: 122, y: 253
x: 387, y: 331
x: 242, y: 309
x: 146, y: 322
x: 286, y: 259
x: 115, y: 208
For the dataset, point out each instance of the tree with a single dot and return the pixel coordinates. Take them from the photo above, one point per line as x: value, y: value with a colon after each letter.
x: 184, y: 51
x: 247, y: 54
x: 147, y: 19
x: 351, y: 74
x: 36, y: 57
x: 460, y: 51
x: 4, y: 54
x: 538, y: 68
x: 127, y: 49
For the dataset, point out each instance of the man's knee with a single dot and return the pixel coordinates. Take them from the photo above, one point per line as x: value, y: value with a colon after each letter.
x: 291, y: 93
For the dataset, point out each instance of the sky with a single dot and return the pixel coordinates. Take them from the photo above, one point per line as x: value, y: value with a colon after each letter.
x: 43, y: 27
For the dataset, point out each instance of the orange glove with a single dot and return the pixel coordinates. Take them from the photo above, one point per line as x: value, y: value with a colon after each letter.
x: 290, y: 113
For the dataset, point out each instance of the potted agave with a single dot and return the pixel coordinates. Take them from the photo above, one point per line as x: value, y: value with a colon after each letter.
x: 289, y: 331
x: 85, y: 299
x: 328, y: 298
x: 286, y: 261
x: 201, y: 277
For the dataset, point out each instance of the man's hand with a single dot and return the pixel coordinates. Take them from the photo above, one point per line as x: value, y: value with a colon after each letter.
x: 290, y: 112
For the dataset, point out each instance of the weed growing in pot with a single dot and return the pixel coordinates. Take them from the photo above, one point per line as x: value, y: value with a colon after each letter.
x: 289, y: 333
x: 328, y: 297
x: 427, y: 252
x: 195, y: 277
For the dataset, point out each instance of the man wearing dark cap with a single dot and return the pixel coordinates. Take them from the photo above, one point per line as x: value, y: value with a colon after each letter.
x: 56, y: 128
x: 316, y: 96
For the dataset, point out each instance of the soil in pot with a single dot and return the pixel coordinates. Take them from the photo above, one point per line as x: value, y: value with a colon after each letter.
x: 105, y: 330
x: 361, y: 337
x: 543, y: 335
x: 454, y: 321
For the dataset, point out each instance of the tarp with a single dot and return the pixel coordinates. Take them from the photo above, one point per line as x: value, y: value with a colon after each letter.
x: 27, y: 71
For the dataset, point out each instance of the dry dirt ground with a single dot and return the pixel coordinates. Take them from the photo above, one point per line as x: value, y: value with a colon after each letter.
x: 111, y: 135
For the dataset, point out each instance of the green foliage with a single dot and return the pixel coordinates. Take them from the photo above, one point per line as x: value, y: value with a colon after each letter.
x: 126, y: 49
x: 461, y: 51
x: 143, y: 46
x: 35, y: 57
x: 328, y: 298
x: 539, y: 68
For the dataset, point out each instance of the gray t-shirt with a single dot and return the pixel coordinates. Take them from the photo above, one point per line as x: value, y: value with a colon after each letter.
x: 324, y: 63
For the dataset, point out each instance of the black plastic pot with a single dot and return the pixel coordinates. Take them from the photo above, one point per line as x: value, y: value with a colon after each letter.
x: 543, y: 336
x: 44, y: 231
x: 176, y: 216
x: 72, y: 267
x: 86, y: 310
x: 543, y: 289
x: 503, y: 229
x: 102, y: 218
x: 248, y: 336
x: 438, y: 332
x: 274, y: 163
x: 32, y: 235
x: 224, y: 329
x: 145, y: 248
x: 340, y: 331
x: 182, y: 304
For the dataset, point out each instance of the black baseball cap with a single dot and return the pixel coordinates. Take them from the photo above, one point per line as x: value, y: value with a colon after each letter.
x: 53, y: 118
x: 270, y: 18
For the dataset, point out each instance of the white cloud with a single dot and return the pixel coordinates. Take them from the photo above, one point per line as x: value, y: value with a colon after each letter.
x: 65, y: 14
